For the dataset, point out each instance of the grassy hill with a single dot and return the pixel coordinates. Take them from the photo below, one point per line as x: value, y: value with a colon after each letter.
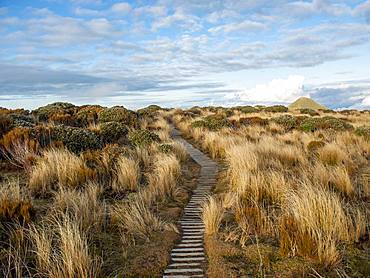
x: 305, y: 102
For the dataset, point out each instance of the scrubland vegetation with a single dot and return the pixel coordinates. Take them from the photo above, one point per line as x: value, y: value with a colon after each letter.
x: 293, y: 199
x: 89, y: 191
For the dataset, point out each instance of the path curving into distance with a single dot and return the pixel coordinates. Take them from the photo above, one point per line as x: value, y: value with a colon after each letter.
x: 188, y: 256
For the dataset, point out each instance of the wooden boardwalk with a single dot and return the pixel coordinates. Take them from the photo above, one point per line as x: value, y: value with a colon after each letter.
x: 188, y: 256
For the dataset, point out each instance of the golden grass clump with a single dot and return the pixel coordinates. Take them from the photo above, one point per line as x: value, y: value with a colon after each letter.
x: 15, y: 204
x: 212, y: 214
x: 179, y: 150
x: 56, y: 168
x: 314, y: 221
x: 61, y: 250
x: 163, y: 181
x: 127, y: 173
x: 83, y: 207
x: 137, y: 220
x: 331, y: 154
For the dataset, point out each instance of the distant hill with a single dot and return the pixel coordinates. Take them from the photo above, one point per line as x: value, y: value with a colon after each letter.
x: 305, y: 102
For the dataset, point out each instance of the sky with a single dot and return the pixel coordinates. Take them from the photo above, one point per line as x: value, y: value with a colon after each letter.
x: 183, y: 53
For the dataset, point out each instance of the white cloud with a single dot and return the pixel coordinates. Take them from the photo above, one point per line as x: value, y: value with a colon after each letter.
x: 86, y: 12
x: 275, y: 91
x: 364, y: 10
x: 246, y: 25
x: 188, y: 21
x: 366, y: 102
x: 122, y: 7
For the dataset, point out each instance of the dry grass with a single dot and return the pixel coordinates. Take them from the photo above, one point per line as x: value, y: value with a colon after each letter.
x: 63, y: 251
x: 137, y: 220
x: 15, y: 204
x: 56, y: 168
x: 310, y: 201
x: 212, y: 216
x: 127, y: 174
x: 314, y: 222
x: 163, y: 180
x: 179, y: 150
x: 216, y: 144
x: 83, y: 207
x: 331, y: 154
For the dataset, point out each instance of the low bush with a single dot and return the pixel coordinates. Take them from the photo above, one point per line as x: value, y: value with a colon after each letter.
x: 213, y: 122
x: 58, y: 112
x: 6, y: 124
x: 308, y: 111
x: 165, y: 148
x: 327, y: 122
x: 287, y: 121
x: 88, y: 114
x: 248, y: 109
x: 142, y: 137
x: 253, y: 121
x: 112, y: 131
x: 22, y: 120
x: 276, y: 109
x: 118, y: 114
x: 363, y: 131
x: 149, y: 111
x: 76, y: 139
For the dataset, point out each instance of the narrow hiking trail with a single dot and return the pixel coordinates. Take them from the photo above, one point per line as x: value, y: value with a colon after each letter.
x: 188, y: 256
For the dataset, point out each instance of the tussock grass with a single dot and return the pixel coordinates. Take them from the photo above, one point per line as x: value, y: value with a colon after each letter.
x: 83, y: 207
x: 212, y: 215
x: 56, y: 168
x: 179, y: 150
x: 331, y: 154
x: 127, y: 174
x: 313, y: 223
x: 310, y: 201
x: 62, y: 251
x: 164, y: 178
x: 15, y: 204
x: 137, y: 220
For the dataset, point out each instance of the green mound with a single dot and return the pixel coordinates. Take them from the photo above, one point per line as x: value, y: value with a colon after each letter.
x: 304, y: 103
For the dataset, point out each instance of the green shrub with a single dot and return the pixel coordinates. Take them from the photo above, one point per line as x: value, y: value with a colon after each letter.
x: 248, y: 109
x: 76, y: 139
x: 253, y: 121
x: 213, y: 122
x: 363, y: 131
x: 58, y: 111
x: 6, y: 124
x: 287, y: 121
x: 112, y: 131
x: 165, y: 148
x: 312, y: 124
x: 308, y: 111
x: 22, y: 120
x: 276, y: 109
x: 88, y: 114
x: 118, y: 114
x: 326, y: 111
x: 149, y: 111
x: 42, y: 134
x: 142, y: 137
